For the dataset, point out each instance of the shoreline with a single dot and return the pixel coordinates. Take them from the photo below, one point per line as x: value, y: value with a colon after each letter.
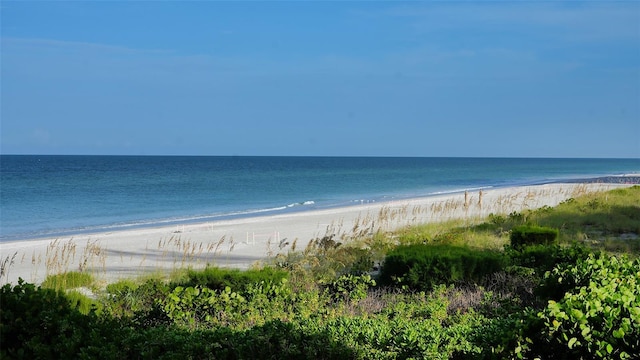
x: 307, y: 206
x: 241, y: 242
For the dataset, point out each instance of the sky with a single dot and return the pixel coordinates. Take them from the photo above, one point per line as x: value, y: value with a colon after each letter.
x: 321, y: 78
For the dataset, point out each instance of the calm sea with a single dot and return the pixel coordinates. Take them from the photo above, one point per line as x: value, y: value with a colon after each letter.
x: 61, y: 195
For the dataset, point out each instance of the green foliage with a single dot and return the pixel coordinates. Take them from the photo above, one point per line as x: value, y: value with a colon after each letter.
x: 68, y: 280
x: 518, y: 218
x: 351, y: 287
x: 497, y: 219
x: 587, y: 306
x: 192, y: 306
x: 121, y: 287
x: 526, y: 235
x: 39, y: 323
x: 218, y: 279
x: 272, y: 340
x: 83, y: 303
x: 127, y: 299
x: 613, y: 212
x: 424, y: 266
x: 600, y: 317
x: 597, y: 318
x: 358, y: 261
x: 543, y: 258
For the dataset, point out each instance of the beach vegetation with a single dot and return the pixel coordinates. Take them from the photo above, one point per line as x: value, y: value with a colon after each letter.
x: 460, y: 289
x: 68, y: 280
x: 422, y: 267
x: 526, y: 235
x: 216, y: 278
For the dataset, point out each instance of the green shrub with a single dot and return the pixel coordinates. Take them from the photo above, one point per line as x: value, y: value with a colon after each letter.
x: 126, y: 299
x: 542, y: 258
x: 195, y: 306
x: 121, y: 287
x: 424, y: 266
x: 218, y: 279
x: 532, y: 235
x: 414, y: 326
x: 83, y: 303
x: 120, y: 299
x: 600, y: 317
x: 39, y: 323
x: 350, y: 287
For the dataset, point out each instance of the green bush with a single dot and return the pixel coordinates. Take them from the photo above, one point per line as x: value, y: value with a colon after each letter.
x: 599, y: 318
x: 39, y: 323
x: 272, y: 340
x: 121, y: 287
x: 83, y: 303
x: 125, y: 299
x: 216, y: 278
x: 532, y: 235
x: 413, y: 326
x: 542, y: 258
x: 422, y: 267
x: 350, y: 287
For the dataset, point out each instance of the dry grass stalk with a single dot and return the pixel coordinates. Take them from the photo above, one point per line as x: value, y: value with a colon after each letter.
x: 6, y: 264
x: 90, y: 253
x: 59, y: 256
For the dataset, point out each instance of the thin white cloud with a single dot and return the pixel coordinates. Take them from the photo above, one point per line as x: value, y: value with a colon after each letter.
x: 590, y: 21
x: 40, y: 56
x: 52, y: 44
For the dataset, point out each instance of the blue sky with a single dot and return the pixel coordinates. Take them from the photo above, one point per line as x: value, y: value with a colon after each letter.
x: 514, y: 79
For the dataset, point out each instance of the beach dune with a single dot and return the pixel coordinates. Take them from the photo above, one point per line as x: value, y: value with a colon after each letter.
x: 239, y: 243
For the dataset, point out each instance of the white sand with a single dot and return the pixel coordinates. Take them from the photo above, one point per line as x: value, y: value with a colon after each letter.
x: 114, y: 255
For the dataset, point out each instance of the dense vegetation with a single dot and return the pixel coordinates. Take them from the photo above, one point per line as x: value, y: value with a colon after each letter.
x: 444, y: 291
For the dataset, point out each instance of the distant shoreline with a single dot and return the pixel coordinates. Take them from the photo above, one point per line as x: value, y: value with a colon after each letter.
x: 619, y: 179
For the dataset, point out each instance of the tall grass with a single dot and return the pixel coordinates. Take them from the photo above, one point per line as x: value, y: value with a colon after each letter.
x: 68, y: 280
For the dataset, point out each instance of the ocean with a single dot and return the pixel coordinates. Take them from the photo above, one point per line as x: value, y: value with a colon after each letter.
x: 49, y: 196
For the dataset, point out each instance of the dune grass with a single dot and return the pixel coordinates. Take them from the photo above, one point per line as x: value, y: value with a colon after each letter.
x: 607, y: 221
x: 68, y: 280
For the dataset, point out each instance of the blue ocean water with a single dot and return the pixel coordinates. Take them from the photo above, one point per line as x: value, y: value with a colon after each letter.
x: 60, y: 195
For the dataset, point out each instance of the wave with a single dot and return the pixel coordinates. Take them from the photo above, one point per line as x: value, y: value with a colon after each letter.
x: 308, y: 202
x: 151, y: 222
x: 195, y: 218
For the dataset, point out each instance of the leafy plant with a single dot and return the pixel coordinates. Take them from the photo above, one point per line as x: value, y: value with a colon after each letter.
x: 40, y: 323
x: 350, y: 287
x: 600, y: 317
x: 526, y: 235
x: 543, y: 258
x: 424, y: 266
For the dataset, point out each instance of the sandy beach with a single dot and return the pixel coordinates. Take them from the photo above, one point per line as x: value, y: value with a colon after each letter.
x: 240, y: 243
